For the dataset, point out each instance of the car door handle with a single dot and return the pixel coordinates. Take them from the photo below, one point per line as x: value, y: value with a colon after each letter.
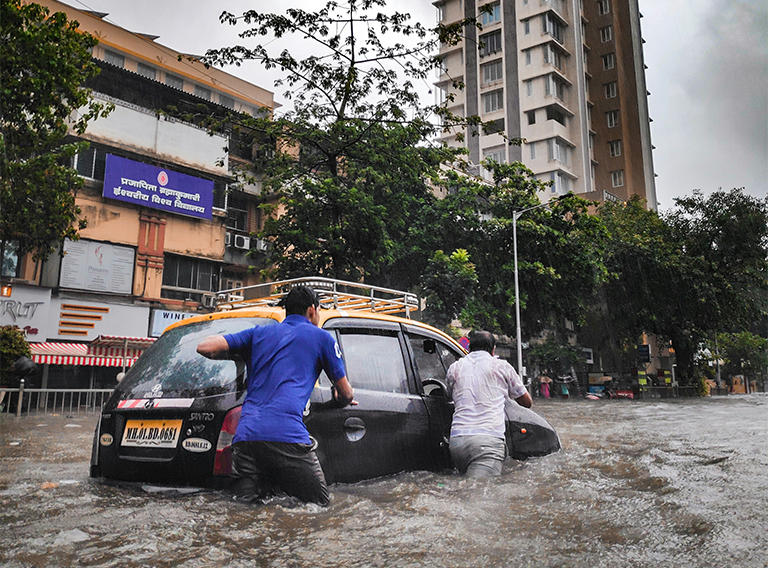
x: 354, y: 429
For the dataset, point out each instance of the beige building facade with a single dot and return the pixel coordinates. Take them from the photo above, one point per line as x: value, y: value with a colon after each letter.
x: 168, y: 225
x: 567, y: 77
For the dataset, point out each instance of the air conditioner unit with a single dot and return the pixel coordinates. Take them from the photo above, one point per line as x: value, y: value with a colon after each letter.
x: 227, y: 239
x: 242, y: 242
x: 261, y: 245
x: 209, y: 301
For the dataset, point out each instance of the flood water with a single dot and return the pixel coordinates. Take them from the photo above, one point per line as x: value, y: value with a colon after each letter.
x: 674, y: 484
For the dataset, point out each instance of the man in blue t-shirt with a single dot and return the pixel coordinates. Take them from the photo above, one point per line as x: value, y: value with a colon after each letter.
x: 272, y: 447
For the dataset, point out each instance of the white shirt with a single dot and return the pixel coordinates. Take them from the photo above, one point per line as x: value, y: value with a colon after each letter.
x: 480, y: 384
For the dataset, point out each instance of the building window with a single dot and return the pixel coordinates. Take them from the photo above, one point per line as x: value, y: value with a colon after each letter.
x: 202, y: 92
x: 617, y: 178
x: 527, y: 56
x: 614, y: 147
x: 493, y: 101
x: 492, y: 72
x: 531, y: 116
x: 554, y: 114
x: 146, y: 71
x: 10, y: 266
x: 226, y: 101
x: 237, y: 212
x: 490, y: 43
x: 494, y: 126
x: 553, y: 56
x: 494, y: 15
x: 552, y: 26
x: 610, y: 90
x: 529, y: 88
x: 612, y: 118
x: 498, y: 155
x: 91, y: 163
x: 527, y: 27
x: 558, y: 150
x: 533, y: 150
x: 609, y: 61
x: 603, y: 7
x: 554, y: 86
x: 606, y: 34
x: 188, y: 274
x: 560, y: 182
x: 114, y: 58
x: 174, y: 81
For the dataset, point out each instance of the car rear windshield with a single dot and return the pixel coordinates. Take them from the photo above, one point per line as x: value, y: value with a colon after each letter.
x: 174, y: 364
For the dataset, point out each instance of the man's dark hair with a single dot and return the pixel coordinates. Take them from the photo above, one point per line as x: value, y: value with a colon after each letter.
x: 481, y: 341
x: 299, y: 300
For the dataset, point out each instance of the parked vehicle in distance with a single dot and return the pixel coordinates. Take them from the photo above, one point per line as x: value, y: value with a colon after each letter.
x: 173, y: 417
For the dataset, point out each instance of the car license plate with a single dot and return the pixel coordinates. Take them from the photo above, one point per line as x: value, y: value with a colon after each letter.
x: 152, y: 433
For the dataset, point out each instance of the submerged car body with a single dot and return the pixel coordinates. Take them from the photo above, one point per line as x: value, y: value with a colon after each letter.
x: 173, y: 417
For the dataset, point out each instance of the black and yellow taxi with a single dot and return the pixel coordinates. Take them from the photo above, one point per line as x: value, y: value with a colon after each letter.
x: 173, y: 417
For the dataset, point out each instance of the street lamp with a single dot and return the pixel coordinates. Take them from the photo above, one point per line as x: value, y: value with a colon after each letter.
x: 515, y: 216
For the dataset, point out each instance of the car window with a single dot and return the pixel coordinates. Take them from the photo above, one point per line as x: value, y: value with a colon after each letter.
x: 374, y: 361
x: 429, y: 364
x: 171, y: 367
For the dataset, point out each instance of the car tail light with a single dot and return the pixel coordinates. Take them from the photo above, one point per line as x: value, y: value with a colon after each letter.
x: 223, y: 463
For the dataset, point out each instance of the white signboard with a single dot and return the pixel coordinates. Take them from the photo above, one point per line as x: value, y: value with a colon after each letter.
x: 27, y: 307
x: 83, y: 320
x: 163, y: 318
x: 100, y: 267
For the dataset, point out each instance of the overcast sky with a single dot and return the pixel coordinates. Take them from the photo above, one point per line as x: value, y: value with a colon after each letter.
x: 707, y: 73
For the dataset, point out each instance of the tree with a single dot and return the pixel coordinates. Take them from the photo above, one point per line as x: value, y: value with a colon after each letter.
x: 44, y: 60
x: 744, y: 353
x: 12, y: 346
x: 353, y: 158
x: 559, y: 249
x: 699, y: 270
x: 448, y: 283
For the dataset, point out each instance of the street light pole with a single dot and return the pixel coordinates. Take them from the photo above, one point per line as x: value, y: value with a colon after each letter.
x: 515, y: 216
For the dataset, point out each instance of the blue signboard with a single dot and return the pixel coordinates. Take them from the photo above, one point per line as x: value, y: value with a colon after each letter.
x: 158, y: 188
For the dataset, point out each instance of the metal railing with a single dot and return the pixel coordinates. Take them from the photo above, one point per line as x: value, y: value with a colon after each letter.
x: 52, y: 401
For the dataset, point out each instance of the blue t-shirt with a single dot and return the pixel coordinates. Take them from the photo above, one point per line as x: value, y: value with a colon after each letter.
x: 283, y: 364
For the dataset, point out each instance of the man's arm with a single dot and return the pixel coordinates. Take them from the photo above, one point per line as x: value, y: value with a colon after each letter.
x: 524, y: 400
x: 343, y: 394
x: 214, y: 347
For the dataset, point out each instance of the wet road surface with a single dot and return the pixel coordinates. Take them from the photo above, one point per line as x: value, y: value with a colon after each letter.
x: 673, y: 484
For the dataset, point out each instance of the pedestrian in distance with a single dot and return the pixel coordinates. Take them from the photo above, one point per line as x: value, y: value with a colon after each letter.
x: 272, y: 447
x: 480, y: 384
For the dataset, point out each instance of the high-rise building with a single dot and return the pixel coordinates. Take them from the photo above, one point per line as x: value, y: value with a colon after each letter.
x: 567, y: 77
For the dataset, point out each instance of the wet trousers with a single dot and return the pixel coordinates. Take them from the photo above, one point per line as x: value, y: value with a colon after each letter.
x: 262, y: 468
x: 478, y: 455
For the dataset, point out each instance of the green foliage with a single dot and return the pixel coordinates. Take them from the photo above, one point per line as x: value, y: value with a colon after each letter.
x: 448, y: 283
x: 559, y: 249
x: 554, y: 357
x: 12, y: 346
x: 744, y: 353
x: 699, y: 270
x: 44, y: 60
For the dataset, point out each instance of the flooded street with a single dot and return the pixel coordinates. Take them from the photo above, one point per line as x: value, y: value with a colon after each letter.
x: 674, y: 484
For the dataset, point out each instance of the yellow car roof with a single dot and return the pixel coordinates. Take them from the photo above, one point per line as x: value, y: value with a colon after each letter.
x: 278, y: 314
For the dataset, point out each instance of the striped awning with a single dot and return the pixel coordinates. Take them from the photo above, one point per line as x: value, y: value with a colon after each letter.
x: 119, y: 346
x: 74, y: 354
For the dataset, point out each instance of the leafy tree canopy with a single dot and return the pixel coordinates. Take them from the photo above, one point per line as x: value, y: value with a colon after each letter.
x: 44, y: 60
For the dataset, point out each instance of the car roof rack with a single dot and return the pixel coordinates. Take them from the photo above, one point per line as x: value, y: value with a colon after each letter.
x: 337, y: 294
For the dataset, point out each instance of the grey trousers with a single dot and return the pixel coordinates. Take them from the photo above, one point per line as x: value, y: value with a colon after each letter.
x: 262, y: 468
x: 478, y: 455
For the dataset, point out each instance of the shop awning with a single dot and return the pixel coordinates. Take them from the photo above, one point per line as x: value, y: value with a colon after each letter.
x: 104, y: 351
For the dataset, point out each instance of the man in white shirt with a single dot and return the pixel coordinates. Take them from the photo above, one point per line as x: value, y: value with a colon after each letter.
x: 480, y: 384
